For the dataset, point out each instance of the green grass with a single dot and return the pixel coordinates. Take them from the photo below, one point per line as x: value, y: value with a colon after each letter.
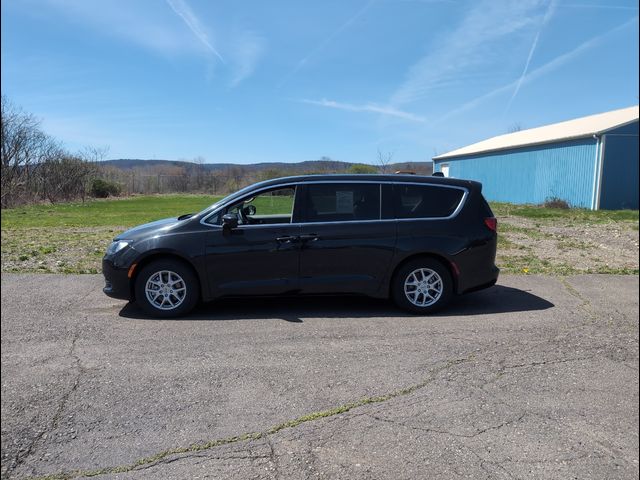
x: 578, y: 215
x: 125, y: 212
x: 528, y: 263
x: 72, y: 237
x: 111, y: 212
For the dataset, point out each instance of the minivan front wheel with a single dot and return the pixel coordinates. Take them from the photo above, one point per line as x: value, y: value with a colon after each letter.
x: 166, y: 288
x: 422, y: 286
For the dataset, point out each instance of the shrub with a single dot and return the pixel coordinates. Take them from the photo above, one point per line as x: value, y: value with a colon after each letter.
x: 555, y: 202
x: 102, y: 188
x: 362, y: 168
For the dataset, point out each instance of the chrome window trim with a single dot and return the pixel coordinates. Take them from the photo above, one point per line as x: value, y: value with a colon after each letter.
x: 463, y: 199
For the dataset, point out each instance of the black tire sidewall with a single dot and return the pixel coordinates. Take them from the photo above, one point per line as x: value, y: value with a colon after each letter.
x: 397, y: 289
x: 190, y: 280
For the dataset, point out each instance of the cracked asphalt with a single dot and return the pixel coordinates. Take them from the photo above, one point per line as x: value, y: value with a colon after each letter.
x: 534, y: 378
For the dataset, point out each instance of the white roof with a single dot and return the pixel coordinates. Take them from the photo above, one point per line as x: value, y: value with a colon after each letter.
x: 580, y: 127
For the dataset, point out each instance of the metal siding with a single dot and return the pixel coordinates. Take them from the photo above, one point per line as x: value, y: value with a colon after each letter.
x: 532, y: 174
x: 629, y: 129
x: 620, y: 169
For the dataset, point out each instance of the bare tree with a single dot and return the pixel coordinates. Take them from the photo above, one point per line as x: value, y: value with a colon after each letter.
x: 35, y: 166
x: 384, y: 160
x: 515, y: 127
x: 65, y: 177
x: 24, y: 146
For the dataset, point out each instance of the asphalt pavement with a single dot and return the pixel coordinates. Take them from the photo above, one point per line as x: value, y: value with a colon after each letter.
x: 536, y: 377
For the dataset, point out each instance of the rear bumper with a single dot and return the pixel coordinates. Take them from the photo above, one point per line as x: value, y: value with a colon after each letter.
x: 491, y: 280
x: 477, y: 266
x: 116, y: 281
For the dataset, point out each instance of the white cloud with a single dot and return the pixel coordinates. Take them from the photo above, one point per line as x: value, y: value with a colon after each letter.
x: 326, y: 41
x: 247, y: 48
x: 548, y: 67
x: 368, y: 107
x: 468, y: 48
x: 162, y: 30
x: 603, y: 6
x: 128, y: 21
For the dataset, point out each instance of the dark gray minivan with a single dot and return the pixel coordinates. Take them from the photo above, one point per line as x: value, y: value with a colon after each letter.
x: 419, y: 240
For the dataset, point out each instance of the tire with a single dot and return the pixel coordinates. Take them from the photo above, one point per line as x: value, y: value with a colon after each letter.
x: 176, y: 284
x: 433, y: 286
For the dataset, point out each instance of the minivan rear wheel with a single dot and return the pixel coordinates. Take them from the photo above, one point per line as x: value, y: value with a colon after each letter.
x: 422, y: 286
x: 166, y: 288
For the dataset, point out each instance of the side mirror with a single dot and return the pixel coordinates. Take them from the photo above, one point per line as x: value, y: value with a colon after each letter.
x: 229, y: 222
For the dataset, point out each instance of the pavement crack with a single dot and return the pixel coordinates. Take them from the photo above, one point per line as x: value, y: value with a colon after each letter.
x: 446, y: 432
x: 203, y: 455
x: 484, y: 462
x: 273, y: 458
x: 585, y: 302
x: 545, y: 362
x: 20, y: 458
x: 163, y: 456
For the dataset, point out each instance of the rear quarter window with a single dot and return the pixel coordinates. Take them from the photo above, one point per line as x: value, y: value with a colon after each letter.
x: 426, y: 201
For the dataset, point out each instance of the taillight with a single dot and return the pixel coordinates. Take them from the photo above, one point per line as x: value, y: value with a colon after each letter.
x: 491, y: 223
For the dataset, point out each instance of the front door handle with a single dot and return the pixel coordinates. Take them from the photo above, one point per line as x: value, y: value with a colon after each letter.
x: 311, y: 237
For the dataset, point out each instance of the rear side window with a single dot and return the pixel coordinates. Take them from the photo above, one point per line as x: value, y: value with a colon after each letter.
x: 342, y: 202
x: 426, y: 201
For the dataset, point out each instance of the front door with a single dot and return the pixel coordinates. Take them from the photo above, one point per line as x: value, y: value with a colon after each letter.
x: 261, y: 255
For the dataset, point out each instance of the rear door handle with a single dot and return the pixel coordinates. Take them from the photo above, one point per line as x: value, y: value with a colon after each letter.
x: 311, y: 237
x: 287, y: 239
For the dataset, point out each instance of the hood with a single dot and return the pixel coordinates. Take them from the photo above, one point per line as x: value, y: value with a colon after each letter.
x: 158, y: 227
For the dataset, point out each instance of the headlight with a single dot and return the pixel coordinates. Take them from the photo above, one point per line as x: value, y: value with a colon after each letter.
x: 115, y: 247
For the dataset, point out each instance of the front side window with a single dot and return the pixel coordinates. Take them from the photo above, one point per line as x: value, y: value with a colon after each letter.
x: 343, y: 202
x: 266, y: 208
x: 426, y: 201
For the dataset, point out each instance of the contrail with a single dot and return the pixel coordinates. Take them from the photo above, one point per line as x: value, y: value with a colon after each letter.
x: 538, y: 72
x: 547, y: 16
x: 369, y: 107
x: 181, y: 9
x: 325, y: 42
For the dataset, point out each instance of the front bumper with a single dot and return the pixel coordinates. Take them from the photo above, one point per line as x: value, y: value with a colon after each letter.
x: 117, y: 283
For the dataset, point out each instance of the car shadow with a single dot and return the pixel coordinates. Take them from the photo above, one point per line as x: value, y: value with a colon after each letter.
x: 498, y: 299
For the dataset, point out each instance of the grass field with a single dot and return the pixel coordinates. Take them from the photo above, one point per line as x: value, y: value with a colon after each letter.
x: 124, y: 212
x: 71, y: 238
x: 581, y: 215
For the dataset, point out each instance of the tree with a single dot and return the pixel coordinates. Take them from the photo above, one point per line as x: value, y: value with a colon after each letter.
x: 35, y: 166
x: 65, y: 177
x: 515, y: 127
x: 384, y: 160
x: 24, y: 147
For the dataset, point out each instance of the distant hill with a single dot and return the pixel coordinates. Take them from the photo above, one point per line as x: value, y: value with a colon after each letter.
x: 298, y: 167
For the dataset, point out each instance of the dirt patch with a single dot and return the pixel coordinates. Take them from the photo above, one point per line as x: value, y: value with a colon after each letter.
x: 56, y: 249
x: 526, y: 246
x: 558, y: 246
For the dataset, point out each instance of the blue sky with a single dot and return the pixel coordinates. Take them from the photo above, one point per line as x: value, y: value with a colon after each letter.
x: 252, y: 81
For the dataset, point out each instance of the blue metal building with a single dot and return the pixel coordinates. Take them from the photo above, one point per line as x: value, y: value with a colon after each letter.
x: 590, y: 162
